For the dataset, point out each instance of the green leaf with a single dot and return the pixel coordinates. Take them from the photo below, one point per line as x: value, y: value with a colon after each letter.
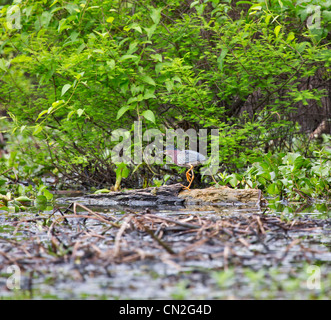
x: 149, y: 95
x: 220, y: 59
x: 23, y: 199
x: 41, y: 199
x: 122, y: 171
x: 37, y: 130
x: 132, y: 99
x: 80, y: 112
x: 267, y: 18
x: 273, y: 189
x: 70, y: 114
x: 57, y: 103
x: 169, y: 84
x: 55, y: 1
x: 156, y: 15
x: 301, y: 46
x: 290, y: 37
x: 129, y: 56
x: 150, y: 31
x: 65, y: 88
x: 242, y: 2
x: 149, y: 115
x: 194, y: 3
x: 326, y: 15
x: 125, y: 172
x: 234, y: 180
x: 276, y: 31
x: 102, y: 191
x: 111, y: 64
x: 110, y: 19
x: 41, y: 202
x: 121, y: 111
x: 157, y: 57
x: 134, y: 26
x: 148, y: 80
x: 41, y: 114
x: 48, y: 195
x: 3, y: 64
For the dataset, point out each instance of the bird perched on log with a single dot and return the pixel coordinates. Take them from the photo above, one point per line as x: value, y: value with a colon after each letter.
x: 185, y: 158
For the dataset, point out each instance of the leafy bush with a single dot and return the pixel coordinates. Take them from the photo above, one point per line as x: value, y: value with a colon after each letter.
x: 74, y: 72
x: 289, y: 176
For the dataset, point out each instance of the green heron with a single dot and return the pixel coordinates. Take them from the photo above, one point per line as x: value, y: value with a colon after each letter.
x: 185, y: 158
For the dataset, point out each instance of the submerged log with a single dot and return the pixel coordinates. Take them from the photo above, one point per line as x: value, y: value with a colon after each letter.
x: 172, y: 195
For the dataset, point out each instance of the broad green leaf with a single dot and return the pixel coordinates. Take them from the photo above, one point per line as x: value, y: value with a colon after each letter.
x: 48, y: 195
x: 194, y: 3
x: 290, y: 37
x: 156, y: 15
x: 80, y: 112
x: 149, y: 115
x: 273, y: 189
x: 200, y: 8
x: 57, y: 103
x: 111, y: 64
x: 80, y: 48
x: 220, y: 59
x: 55, y: 1
x: 37, y: 130
x: 150, y: 31
x: 148, y: 80
x: 241, y: 2
x: 129, y: 56
x: 3, y: 64
x: 132, y: 99
x: 276, y: 31
x: 169, y: 84
x: 149, y: 95
x: 102, y: 191
x: 65, y: 88
x: 157, y: 57
x: 110, y: 19
x: 121, y: 111
x: 70, y: 114
x: 98, y: 51
x: 23, y: 199
x: 267, y: 18
x: 122, y: 171
x: 133, y: 26
x: 125, y: 172
x: 233, y: 180
x: 326, y: 15
x: 301, y: 46
x: 41, y: 114
x: 78, y: 76
x: 41, y: 202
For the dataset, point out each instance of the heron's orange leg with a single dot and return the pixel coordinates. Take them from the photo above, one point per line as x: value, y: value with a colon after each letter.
x: 189, y: 177
x: 192, y: 178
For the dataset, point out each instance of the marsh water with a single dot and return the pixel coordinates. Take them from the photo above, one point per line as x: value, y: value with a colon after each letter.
x: 281, y: 251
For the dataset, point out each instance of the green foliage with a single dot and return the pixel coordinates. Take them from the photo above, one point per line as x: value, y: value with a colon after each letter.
x: 121, y: 172
x: 22, y: 180
x: 290, y: 176
x: 74, y: 72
